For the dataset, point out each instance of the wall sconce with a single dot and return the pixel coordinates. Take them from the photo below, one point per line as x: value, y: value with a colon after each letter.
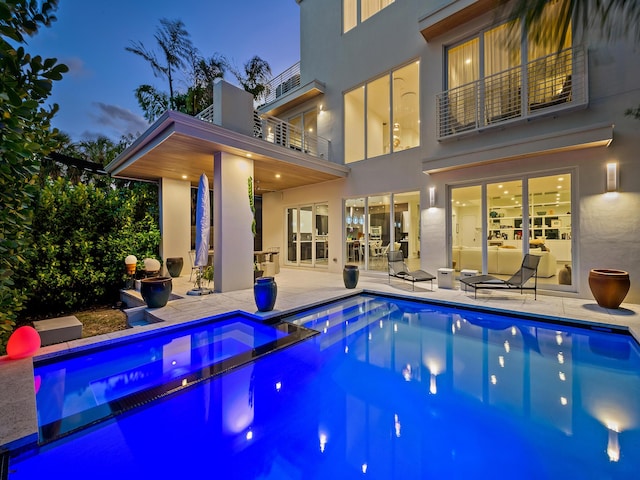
x: 432, y: 197
x: 612, y: 177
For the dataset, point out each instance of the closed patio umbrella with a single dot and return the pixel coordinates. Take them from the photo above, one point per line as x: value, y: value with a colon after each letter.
x: 203, y: 231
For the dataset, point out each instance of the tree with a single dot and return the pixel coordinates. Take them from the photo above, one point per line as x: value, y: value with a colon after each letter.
x: 614, y: 19
x: 176, y: 47
x: 25, y: 135
x: 254, y: 77
x: 152, y: 101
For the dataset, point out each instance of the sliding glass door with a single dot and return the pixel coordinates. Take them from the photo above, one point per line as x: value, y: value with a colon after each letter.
x: 494, y: 224
x: 378, y: 224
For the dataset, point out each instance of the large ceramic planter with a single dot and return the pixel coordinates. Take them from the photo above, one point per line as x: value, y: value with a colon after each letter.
x: 155, y: 291
x: 265, y: 291
x: 350, y: 275
x: 609, y: 286
x: 174, y: 266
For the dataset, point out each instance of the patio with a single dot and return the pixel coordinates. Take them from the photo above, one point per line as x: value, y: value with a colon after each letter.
x: 297, y: 288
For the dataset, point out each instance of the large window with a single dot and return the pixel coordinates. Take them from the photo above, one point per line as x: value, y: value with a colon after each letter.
x: 383, y: 116
x: 367, y: 9
x: 490, y: 75
x: 498, y: 222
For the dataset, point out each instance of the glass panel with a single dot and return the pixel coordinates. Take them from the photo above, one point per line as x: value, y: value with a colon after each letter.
x: 504, y: 229
x: 406, y: 214
x: 354, y: 125
x: 379, y: 215
x: 354, y: 230
x: 549, y: 74
x: 463, y: 69
x: 378, y: 117
x: 310, y: 131
x: 550, y: 212
x: 349, y: 14
x: 371, y: 7
x: 406, y: 107
x: 466, y: 228
x: 322, y: 235
x: 295, y: 138
x: 306, y: 235
x: 502, y: 85
x: 292, y: 228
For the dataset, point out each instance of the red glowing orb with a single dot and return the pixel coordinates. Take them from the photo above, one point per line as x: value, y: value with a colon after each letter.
x: 24, y: 342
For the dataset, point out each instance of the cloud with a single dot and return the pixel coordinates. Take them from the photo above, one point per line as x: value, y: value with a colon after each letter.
x: 120, y: 119
x: 76, y: 67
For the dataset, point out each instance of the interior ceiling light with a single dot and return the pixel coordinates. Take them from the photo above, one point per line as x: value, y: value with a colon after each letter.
x: 277, y: 175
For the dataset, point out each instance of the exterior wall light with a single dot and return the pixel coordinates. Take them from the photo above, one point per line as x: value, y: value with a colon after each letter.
x: 612, y: 177
x: 432, y: 197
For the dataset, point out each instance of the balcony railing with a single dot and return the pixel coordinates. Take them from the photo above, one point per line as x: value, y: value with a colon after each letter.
x: 278, y: 131
x: 548, y: 84
x: 283, y: 83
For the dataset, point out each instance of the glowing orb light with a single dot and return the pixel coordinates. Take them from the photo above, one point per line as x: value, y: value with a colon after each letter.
x: 24, y: 342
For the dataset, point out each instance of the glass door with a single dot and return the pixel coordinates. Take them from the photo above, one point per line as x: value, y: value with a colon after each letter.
x: 307, y: 235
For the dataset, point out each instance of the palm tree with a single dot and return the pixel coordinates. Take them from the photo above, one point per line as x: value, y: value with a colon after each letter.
x: 613, y: 19
x: 176, y: 47
x: 255, y: 77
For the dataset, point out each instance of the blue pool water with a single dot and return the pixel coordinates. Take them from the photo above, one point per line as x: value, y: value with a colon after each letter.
x: 389, y: 389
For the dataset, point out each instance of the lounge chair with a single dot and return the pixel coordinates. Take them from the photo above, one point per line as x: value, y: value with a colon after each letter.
x: 527, y: 271
x: 399, y: 269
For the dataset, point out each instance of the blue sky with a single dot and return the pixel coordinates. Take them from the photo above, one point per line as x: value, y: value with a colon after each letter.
x: 96, y: 95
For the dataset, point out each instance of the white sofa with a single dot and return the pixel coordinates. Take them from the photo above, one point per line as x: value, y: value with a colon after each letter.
x: 502, y: 261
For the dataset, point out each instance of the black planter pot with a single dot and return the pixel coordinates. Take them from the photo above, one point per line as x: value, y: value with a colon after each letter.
x: 350, y: 275
x: 265, y: 291
x: 174, y: 266
x: 156, y: 291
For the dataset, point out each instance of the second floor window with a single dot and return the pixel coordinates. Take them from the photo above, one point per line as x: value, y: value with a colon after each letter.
x: 490, y: 67
x: 357, y: 11
x: 383, y: 115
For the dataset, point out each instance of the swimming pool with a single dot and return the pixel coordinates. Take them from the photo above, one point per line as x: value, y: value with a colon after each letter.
x: 388, y: 389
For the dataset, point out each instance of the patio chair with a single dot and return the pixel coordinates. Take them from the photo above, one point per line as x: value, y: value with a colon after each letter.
x: 192, y: 258
x: 526, y: 272
x: 399, y: 269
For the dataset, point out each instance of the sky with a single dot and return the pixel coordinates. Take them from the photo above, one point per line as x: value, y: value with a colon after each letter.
x: 96, y: 97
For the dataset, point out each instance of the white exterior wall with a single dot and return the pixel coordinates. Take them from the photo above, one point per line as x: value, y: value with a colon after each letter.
x: 175, y: 220
x: 604, y: 228
x: 233, y: 239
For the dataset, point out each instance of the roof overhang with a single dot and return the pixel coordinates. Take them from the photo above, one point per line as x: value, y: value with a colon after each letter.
x: 563, y: 141
x: 178, y: 146
x: 453, y: 15
x: 293, y: 98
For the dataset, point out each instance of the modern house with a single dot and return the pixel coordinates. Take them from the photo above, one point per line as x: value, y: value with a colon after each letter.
x: 427, y: 127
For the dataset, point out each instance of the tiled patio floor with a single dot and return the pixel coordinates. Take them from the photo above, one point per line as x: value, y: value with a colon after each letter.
x: 296, y: 289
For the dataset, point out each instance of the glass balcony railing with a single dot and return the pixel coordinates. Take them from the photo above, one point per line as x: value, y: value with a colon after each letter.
x: 548, y: 84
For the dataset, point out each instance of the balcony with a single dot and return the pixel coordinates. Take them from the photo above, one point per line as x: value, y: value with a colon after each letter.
x: 279, y: 132
x: 545, y: 86
x: 283, y: 83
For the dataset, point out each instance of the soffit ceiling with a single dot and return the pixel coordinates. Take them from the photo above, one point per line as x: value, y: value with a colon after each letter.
x: 181, y: 148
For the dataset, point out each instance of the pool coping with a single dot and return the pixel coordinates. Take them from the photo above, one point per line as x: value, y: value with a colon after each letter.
x: 16, y: 376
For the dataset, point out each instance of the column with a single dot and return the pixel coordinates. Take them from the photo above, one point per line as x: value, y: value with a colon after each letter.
x: 232, y: 217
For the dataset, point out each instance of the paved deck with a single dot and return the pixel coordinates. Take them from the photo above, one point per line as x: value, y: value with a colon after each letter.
x: 296, y: 289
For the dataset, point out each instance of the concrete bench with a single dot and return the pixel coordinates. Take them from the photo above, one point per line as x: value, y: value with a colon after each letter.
x: 58, y: 330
